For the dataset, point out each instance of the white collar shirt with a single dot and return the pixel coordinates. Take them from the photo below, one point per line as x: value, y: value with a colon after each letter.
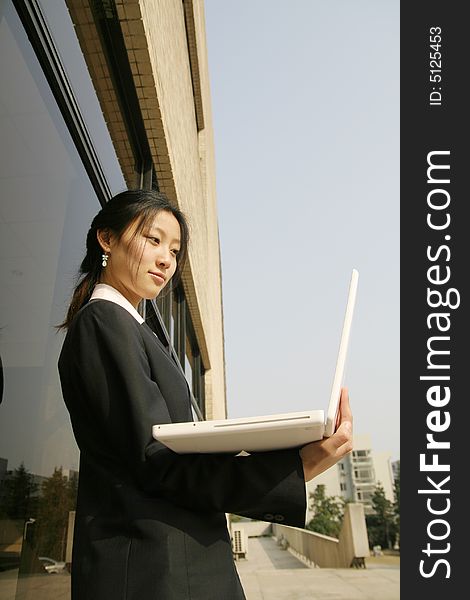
x: 103, y: 291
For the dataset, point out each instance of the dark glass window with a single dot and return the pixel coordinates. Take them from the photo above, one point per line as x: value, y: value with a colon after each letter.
x: 62, y: 30
x: 46, y: 206
x: 47, y: 202
x: 175, y: 327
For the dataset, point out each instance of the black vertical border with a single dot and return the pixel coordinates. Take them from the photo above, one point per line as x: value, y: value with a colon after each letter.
x: 426, y: 128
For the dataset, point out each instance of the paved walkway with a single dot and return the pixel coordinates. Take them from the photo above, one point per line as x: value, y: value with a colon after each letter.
x: 269, y: 573
x: 35, y: 587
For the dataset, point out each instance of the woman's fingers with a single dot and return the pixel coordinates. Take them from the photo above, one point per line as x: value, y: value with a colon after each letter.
x: 344, y: 410
x: 342, y: 438
x: 344, y: 406
x: 319, y: 456
x: 340, y: 443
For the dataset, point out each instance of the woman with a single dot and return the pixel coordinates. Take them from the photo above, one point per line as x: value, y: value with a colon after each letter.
x: 150, y: 524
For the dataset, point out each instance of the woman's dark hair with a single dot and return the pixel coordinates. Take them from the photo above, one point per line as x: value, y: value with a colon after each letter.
x: 139, y: 206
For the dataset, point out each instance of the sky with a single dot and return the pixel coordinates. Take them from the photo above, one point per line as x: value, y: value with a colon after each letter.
x: 305, y: 102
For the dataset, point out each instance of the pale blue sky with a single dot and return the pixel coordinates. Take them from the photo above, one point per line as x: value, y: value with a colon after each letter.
x: 305, y: 98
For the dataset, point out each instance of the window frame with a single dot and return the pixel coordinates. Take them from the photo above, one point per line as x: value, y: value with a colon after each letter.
x: 42, y: 42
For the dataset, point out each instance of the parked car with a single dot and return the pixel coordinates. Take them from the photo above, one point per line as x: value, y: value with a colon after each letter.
x: 52, y: 566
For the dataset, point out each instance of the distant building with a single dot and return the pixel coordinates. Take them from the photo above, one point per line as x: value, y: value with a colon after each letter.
x: 70, y: 473
x: 355, y: 477
x: 6, y: 475
x: 3, y: 476
x: 3, y: 469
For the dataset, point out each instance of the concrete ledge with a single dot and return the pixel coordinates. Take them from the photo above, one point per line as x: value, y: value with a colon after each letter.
x: 272, y: 573
x: 350, y: 549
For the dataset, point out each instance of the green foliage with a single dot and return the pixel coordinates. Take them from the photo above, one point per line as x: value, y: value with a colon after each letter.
x: 19, y: 501
x: 381, y: 525
x: 328, y: 512
x: 396, y: 505
x: 58, y: 497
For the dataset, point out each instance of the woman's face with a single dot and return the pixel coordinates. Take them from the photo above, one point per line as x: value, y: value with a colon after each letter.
x: 143, y: 266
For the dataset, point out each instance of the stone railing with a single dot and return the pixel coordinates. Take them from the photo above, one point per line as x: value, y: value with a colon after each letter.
x: 349, y: 550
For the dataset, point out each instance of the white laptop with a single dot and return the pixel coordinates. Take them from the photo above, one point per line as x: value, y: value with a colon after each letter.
x: 268, y: 432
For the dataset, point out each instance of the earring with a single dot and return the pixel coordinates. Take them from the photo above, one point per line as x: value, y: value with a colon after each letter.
x: 104, y: 258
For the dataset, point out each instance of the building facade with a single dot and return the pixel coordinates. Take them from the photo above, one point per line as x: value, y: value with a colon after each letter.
x: 96, y: 96
x: 355, y: 477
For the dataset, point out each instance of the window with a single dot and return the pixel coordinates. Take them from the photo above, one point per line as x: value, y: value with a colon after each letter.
x: 174, y: 326
x: 47, y: 202
x: 360, y: 453
x: 365, y: 474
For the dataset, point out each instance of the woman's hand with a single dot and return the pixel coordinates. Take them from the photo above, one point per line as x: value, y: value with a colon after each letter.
x: 320, y: 456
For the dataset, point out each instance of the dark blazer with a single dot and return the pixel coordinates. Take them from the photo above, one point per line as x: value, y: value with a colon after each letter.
x: 150, y: 524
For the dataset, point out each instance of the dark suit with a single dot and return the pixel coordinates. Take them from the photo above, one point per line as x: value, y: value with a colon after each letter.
x: 150, y: 524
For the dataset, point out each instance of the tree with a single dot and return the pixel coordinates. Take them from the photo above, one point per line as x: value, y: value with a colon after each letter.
x: 328, y: 512
x: 396, y: 504
x: 381, y: 524
x: 58, y: 495
x: 19, y: 501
